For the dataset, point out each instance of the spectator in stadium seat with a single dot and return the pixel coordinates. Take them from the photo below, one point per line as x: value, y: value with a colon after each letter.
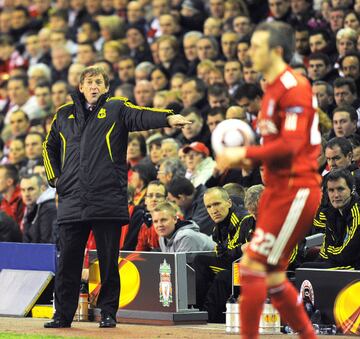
x: 169, y: 148
x: 279, y: 10
x: 170, y: 168
x: 218, y: 96
x: 336, y: 18
x: 159, y: 78
x: 192, y: 15
x: 233, y: 75
x: 170, y: 25
x: 350, y: 66
x: 324, y: 95
x: 213, y: 27
x: 11, y: 202
x: 340, y: 247
x: 345, y: 92
x: 20, y: 98
x: 242, y: 49
x: 320, y: 68
x: 18, y: 127
x: 90, y: 31
x: 203, y: 70
x: 42, y: 94
x: 169, y: 55
x: 302, y: 12
x: 136, y: 150
x: 73, y: 76
x: 302, y: 46
x: 228, y: 45
x: 207, y: 47
x: 144, y: 93
x: 136, y: 41
x: 189, y: 199
x: 17, y: 155
x: 126, y: 70
x: 352, y: 20
x: 346, y: 40
x: 236, y: 112
x: 5, y: 20
x: 178, y: 235
x: 153, y: 144
x: 193, y: 94
x: 250, y: 75
x: 242, y: 25
x: 320, y: 42
x: 213, y: 273
x: 33, y: 150
x: 197, y: 131
x: 190, y: 40
x: 199, y: 164
x: 248, y: 97
x: 60, y: 61
x: 143, y: 173
x: 345, y: 120
x: 59, y: 93
x: 38, y: 73
x: 34, y: 52
x: 143, y: 71
x: 147, y: 238
x: 214, y: 117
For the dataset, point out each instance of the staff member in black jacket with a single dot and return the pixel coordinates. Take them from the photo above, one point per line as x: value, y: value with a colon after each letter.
x: 213, y: 273
x: 85, y: 159
x: 340, y: 247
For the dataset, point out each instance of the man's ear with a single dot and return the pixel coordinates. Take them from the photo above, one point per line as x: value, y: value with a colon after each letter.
x: 230, y: 203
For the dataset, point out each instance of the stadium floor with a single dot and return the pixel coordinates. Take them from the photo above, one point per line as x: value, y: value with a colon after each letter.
x: 91, y: 330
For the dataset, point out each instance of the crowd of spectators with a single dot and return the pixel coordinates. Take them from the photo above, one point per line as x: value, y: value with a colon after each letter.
x: 190, y: 56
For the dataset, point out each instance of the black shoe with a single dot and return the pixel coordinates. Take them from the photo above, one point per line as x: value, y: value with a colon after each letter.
x: 57, y: 323
x: 107, y: 321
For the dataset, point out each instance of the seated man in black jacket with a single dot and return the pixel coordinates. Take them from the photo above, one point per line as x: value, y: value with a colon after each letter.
x: 340, y: 247
x: 213, y: 273
x: 338, y: 152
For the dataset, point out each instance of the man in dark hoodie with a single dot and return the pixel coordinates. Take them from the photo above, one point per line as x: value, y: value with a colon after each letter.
x: 229, y: 233
x: 40, y: 209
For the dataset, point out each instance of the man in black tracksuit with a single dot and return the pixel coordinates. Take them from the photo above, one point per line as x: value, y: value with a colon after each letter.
x: 85, y: 159
x: 340, y: 247
x: 213, y: 273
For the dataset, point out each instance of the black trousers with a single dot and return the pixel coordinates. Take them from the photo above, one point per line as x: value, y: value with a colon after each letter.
x: 213, y: 285
x: 72, y: 242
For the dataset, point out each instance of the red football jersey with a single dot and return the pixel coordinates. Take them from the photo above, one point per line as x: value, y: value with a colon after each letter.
x: 288, y: 124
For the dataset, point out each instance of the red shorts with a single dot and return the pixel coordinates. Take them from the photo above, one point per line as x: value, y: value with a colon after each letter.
x: 284, y: 218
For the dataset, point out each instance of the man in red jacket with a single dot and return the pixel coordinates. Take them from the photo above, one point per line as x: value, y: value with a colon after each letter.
x: 11, y: 202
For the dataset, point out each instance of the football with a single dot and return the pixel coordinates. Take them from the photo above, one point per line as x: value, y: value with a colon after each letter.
x: 231, y: 133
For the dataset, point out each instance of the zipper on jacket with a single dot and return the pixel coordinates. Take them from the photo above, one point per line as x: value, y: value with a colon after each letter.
x: 64, y: 149
x: 108, y: 141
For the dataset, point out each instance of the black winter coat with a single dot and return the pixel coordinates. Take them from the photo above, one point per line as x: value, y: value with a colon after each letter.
x: 88, y: 156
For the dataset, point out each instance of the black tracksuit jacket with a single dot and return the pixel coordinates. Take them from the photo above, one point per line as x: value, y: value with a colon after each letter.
x: 88, y: 156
